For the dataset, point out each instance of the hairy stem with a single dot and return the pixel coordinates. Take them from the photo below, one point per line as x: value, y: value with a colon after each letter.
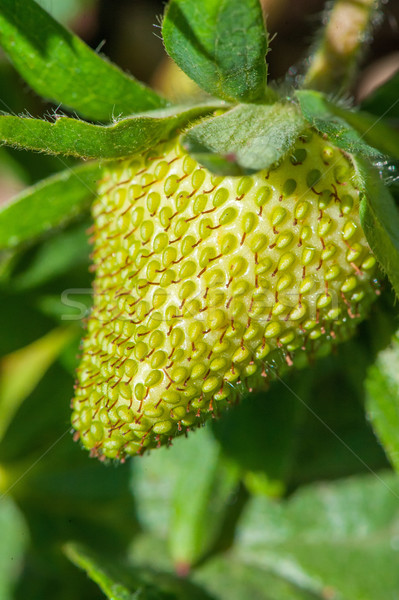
x: 348, y: 25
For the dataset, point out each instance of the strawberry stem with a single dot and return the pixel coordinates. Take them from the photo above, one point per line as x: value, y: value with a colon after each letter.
x: 346, y: 33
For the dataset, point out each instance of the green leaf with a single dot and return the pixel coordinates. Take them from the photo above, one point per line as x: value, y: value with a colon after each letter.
x: 48, y: 204
x: 13, y: 541
x: 226, y: 577
x: 330, y: 120
x: 380, y: 220
x: 53, y: 258
x: 84, y: 140
x: 384, y: 100
x: 39, y: 421
x: 34, y: 166
x: 72, y: 304
x: 248, y: 137
x: 31, y: 361
x: 107, y: 583
x: 221, y: 577
x: 62, y: 68
x: 177, y: 489
x: 382, y: 385
x: 338, y: 540
x: 220, y: 45
x: 122, y: 581
x: 204, y: 488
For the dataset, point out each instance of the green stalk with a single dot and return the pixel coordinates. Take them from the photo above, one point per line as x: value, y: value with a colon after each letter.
x: 333, y: 65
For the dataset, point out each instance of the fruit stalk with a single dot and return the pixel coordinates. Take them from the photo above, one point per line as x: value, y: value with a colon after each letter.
x: 333, y: 65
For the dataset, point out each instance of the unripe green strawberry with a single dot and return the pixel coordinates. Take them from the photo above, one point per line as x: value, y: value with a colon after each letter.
x: 208, y: 286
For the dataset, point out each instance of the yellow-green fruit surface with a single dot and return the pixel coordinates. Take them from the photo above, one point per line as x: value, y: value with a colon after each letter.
x: 206, y: 287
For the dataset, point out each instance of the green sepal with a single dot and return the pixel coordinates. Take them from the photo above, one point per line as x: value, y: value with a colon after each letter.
x: 62, y: 68
x: 347, y: 130
x: 379, y: 218
x: 48, y: 204
x: 221, y: 45
x: 72, y: 137
x: 247, y: 138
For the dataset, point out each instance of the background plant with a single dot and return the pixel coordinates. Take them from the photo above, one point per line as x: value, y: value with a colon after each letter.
x: 209, y: 504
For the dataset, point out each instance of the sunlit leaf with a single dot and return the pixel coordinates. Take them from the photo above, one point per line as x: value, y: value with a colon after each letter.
x: 22, y: 370
x: 220, y: 45
x: 226, y: 577
x: 341, y: 538
x: 178, y: 488
x: 121, y: 581
x: 62, y: 68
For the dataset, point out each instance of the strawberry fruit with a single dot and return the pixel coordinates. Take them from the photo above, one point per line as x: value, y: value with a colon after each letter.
x: 208, y: 286
x: 235, y: 236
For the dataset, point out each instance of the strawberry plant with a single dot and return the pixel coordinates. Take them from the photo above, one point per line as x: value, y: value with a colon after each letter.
x: 208, y: 286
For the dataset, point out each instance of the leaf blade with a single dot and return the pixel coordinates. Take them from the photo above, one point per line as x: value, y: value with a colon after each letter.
x: 33, y: 361
x: 62, y: 68
x: 382, y: 399
x: 34, y: 211
x: 204, y: 487
x: 324, y: 535
x: 111, y: 588
x: 220, y: 45
x: 121, y: 580
x: 227, y: 577
x: 176, y: 491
